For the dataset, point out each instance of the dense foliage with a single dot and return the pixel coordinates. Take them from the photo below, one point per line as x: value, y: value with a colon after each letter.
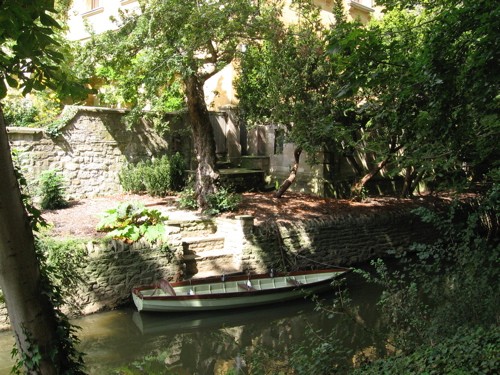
x: 132, y: 221
x: 158, y: 177
x: 52, y: 190
x: 466, y: 352
x: 289, y: 80
x: 33, y: 51
x: 223, y: 200
x: 417, y: 90
x: 427, y: 77
x: 440, y: 308
x: 20, y: 113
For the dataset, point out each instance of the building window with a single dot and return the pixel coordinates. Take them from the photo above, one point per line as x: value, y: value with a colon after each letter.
x: 92, y: 7
x: 92, y: 4
x: 365, y: 5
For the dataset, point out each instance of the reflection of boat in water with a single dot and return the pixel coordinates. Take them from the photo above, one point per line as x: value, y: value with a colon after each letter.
x: 235, y: 292
x: 149, y: 323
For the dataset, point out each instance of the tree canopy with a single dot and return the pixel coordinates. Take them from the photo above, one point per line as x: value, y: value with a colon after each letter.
x: 164, y: 55
x: 32, y: 53
x: 428, y: 74
x: 417, y: 90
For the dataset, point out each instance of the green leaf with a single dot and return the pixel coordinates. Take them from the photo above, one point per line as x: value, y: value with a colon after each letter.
x: 47, y: 20
x: 154, y: 233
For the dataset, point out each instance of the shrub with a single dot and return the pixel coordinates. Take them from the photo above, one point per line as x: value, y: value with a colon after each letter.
x: 441, y: 289
x: 51, y: 190
x: 187, y: 199
x: 20, y: 112
x: 468, y: 352
x: 157, y: 178
x: 64, y: 260
x: 132, y: 221
x: 177, y: 172
x: 223, y: 200
x: 131, y: 178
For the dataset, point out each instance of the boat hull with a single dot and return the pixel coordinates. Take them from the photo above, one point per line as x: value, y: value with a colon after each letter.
x: 239, y: 292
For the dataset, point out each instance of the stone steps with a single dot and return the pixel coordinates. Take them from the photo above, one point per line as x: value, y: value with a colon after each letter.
x: 192, y: 228
x: 206, y: 256
x: 197, y: 244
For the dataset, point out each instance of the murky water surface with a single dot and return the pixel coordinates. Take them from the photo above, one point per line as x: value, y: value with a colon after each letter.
x: 126, y: 342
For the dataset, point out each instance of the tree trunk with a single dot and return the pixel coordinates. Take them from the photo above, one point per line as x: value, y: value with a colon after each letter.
x: 204, y: 141
x: 354, y: 163
x: 31, y: 313
x: 358, y: 187
x: 408, y: 185
x: 293, y: 174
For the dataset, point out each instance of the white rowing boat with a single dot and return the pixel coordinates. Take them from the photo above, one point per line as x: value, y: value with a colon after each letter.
x: 232, y: 292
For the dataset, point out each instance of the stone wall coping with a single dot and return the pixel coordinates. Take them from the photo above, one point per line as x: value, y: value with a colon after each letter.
x: 101, y: 109
x: 24, y: 130
x: 244, y: 217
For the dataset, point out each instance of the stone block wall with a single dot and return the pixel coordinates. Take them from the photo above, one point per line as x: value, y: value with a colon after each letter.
x: 90, y: 151
x: 343, y: 240
x: 113, y: 268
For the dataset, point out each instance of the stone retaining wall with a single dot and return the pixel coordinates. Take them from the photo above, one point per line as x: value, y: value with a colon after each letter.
x: 107, y: 273
x: 110, y: 269
x: 343, y: 240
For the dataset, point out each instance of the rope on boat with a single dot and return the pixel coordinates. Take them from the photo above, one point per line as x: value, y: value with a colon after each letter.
x: 329, y: 265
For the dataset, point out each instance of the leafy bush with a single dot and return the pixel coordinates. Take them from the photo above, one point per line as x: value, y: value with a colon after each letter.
x: 443, y: 288
x: 177, y: 172
x: 20, y: 112
x: 64, y: 260
x: 51, y: 190
x: 132, y: 178
x: 467, y: 352
x: 132, y: 221
x: 187, y: 198
x: 157, y: 177
x: 223, y: 200
x: 34, y: 214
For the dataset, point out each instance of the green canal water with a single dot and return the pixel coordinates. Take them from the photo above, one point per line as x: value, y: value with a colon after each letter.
x: 126, y: 342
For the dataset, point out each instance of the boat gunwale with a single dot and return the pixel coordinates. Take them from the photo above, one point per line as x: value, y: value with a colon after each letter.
x: 302, y: 287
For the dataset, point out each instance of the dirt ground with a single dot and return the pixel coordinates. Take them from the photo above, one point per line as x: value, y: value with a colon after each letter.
x: 81, y: 218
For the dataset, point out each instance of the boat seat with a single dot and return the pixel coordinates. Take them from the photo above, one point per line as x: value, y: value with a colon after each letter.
x: 246, y: 287
x: 293, y: 282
